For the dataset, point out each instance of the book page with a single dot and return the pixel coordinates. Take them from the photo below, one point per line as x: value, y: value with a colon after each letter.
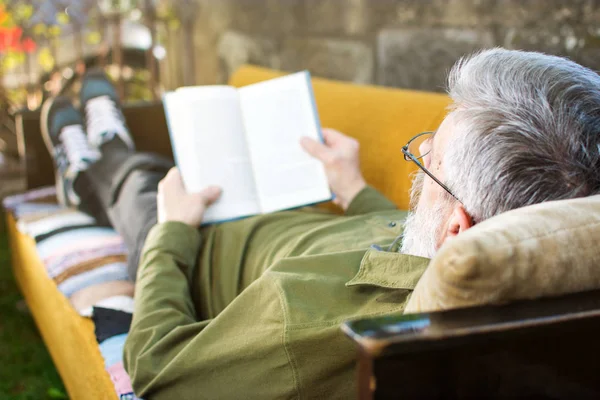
x: 210, y: 148
x: 276, y: 114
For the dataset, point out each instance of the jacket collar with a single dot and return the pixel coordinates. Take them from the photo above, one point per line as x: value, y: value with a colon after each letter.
x: 389, y: 270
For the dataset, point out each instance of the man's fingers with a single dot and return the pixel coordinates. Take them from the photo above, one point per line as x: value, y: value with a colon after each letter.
x: 172, y: 176
x: 210, y: 194
x: 314, y: 148
x: 332, y: 136
x: 173, y: 172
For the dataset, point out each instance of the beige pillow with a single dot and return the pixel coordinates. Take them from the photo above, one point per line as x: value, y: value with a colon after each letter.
x: 542, y: 250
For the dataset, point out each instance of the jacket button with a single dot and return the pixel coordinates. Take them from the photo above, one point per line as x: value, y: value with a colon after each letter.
x: 392, y: 224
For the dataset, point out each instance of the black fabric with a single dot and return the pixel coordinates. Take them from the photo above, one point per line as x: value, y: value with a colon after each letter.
x: 126, y: 184
x: 109, y: 322
x: 90, y: 203
x: 48, y: 235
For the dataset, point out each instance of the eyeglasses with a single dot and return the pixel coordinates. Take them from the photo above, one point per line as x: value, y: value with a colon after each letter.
x: 412, y: 152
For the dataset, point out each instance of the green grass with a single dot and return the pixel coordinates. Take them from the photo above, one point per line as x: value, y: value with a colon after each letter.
x: 26, y: 369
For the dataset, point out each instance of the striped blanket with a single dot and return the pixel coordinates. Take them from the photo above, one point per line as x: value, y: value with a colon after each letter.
x: 88, y: 264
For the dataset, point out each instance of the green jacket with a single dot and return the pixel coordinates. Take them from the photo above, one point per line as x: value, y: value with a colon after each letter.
x: 252, y: 308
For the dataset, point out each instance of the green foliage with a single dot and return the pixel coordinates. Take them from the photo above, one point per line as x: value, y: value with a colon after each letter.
x: 55, y: 393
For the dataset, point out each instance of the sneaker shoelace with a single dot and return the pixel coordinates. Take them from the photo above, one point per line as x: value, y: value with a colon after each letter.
x: 77, y: 149
x: 104, y: 121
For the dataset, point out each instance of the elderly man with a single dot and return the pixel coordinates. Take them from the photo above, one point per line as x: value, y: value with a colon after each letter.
x: 252, y: 308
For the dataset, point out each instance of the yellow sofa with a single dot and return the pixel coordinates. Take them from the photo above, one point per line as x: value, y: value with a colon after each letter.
x: 382, y: 120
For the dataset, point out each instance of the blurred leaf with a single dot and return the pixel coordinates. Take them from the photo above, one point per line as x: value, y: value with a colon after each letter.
x: 8, y: 62
x: 17, y: 96
x: 55, y: 393
x: 54, y: 30
x: 12, y: 60
x: 39, y: 29
x: 161, y: 36
x: 174, y: 24
x: 45, y: 59
x: 93, y: 38
x: 163, y: 10
x: 23, y: 12
x: 62, y: 18
x: 5, y: 18
x: 120, y: 6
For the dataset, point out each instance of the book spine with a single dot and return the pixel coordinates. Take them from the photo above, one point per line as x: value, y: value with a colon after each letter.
x: 170, y: 125
x: 314, y: 105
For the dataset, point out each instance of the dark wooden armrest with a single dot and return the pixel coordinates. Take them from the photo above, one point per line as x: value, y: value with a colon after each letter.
x: 546, y: 348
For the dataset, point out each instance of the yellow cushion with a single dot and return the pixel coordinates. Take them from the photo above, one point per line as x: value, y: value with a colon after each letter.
x: 547, y: 249
x: 382, y: 120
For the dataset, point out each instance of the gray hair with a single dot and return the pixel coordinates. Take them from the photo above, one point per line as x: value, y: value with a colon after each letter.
x: 528, y: 131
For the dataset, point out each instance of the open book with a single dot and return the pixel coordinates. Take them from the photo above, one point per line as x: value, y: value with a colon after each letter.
x: 247, y: 141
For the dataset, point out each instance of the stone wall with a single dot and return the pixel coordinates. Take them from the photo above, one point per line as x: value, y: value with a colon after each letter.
x: 401, y: 43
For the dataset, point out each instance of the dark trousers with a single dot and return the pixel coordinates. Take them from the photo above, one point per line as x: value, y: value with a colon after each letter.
x: 120, y: 191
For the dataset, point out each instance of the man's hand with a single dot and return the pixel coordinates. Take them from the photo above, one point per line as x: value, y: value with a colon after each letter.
x: 176, y: 204
x: 339, y: 154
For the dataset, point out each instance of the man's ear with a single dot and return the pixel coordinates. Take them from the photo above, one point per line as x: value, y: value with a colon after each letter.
x: 459, y: 221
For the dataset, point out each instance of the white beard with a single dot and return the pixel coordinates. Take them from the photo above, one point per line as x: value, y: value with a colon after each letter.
x: 422, y: 227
